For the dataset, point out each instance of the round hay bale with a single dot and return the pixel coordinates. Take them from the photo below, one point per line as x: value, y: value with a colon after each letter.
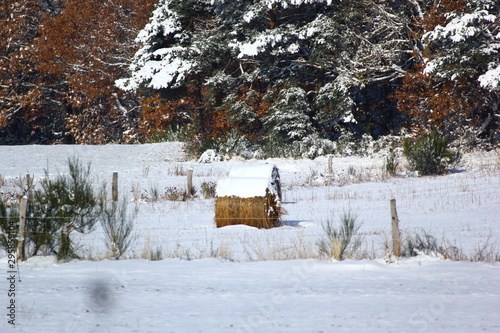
x: 250, y: 201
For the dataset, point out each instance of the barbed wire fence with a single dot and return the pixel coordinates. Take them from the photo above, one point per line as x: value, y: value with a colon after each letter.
x: 25, y: 184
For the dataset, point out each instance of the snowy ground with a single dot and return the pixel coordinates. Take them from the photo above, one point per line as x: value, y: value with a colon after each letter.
x: 241, y: 279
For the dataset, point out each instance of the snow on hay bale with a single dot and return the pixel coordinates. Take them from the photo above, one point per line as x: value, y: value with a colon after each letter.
x: 253, y: 201
x: 269, y: 171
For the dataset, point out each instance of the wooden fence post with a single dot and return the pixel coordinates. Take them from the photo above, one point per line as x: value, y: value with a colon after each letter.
x: 189, y: 182
x: 29, y: 184
x: 396, y: 234
x: 330, y: 165
x: 23, y: 208
x: 114, y: 187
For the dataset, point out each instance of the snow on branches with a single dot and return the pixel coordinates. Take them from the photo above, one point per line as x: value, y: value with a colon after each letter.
x: 469, y: 45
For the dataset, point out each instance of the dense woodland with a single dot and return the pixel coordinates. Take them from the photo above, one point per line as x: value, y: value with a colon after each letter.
x: 272, y: 77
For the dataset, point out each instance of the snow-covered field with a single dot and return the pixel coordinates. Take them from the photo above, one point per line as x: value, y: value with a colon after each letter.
x: 241, y: 279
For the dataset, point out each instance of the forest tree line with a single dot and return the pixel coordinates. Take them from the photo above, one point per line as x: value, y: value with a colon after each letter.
x: 279, y: 77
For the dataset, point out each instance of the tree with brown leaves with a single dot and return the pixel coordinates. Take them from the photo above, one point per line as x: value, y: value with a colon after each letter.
x: 59, y: 70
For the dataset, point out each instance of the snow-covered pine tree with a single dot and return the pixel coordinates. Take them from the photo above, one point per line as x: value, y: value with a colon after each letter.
x: 468, y: 46
x: 455, y: 88
x: 219, y: 52
x: 289, y: 116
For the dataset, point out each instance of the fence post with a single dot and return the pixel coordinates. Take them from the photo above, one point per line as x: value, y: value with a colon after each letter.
x: 396, y: 234
x: 23, y: 208
x: 330, y: 165
x: 114, y: 187
x: 29, y: 184
x: 189, y: 182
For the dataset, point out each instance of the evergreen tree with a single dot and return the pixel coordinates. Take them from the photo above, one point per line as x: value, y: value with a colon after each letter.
x: 455, y: 87
x: 289, y: 116
x: 233, y: 62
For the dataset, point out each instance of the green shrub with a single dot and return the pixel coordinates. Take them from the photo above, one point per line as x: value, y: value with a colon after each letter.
x: 64, y: 204
x: 429, y: 154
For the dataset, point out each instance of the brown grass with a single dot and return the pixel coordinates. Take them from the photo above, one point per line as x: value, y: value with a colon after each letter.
x: 260, y: 212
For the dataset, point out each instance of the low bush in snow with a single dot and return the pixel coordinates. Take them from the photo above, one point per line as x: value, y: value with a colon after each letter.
x: 208, y: 190
x: 391, y: 163
x: 117, y: 226
x: 429, y: 154
x: 340, y: 242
